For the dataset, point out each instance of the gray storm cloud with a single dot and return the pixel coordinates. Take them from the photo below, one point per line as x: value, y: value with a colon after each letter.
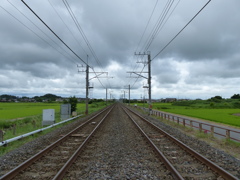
x: 33, y: 60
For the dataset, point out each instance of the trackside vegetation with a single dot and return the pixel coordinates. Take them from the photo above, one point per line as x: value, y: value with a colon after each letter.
x: 226, y: 111
x: 27, y: 117
x: 20, y: 118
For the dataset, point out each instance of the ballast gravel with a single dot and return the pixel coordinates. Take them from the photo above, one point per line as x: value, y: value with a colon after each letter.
x: 19, y: 155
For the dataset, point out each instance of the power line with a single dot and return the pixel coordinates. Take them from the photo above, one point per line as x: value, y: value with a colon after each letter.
x: 158, y: 24
x: 36, y: 34
x: 136, y: 65
x: 39, y: 30
x: 138, y: 76
x: 84, y: 37
x: 163, y: 23
x: 175, y: 36
x: 160, y: 28
x: 180, y: 31
x: 67, y: 27
x: 147, y: 25
x: 54, y: 33
x: 81, y: 31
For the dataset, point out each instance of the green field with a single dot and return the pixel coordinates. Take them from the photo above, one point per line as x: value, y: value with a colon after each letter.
x: 10, y: 111
x: 20, y: 118
x: 27, y: 117
x: 202, y: 111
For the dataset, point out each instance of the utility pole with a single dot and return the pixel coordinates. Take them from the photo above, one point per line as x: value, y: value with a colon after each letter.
x: 148, y: 78
x: 149, y: 82
x: 123, y: 96
x: 87, y: 88
x: 128, y: 87
x: 87, y: 83
x: 106, y: 95
x: 129, y: 94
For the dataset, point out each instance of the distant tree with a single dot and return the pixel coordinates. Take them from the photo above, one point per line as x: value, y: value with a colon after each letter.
x: 8, y: 97
x: 217, y: 97
x: 73, y: 101
x: 50, y: 97
x: 100, y: 100
x: 236, y: 96
x: 37, y: 98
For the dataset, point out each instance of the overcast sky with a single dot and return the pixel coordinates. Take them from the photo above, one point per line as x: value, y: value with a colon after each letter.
x: 203, y: 61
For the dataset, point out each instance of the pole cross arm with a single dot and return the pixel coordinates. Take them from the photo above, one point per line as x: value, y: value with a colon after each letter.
x: 97, y: 75
x: 139, y: 74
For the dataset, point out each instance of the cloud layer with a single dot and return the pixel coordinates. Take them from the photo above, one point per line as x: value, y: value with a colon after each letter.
x: 203, y: 61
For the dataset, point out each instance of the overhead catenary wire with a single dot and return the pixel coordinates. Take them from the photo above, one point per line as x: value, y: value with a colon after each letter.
x: 164, y: 22
x: 157, y: 26
x: 84, y: 37
x: 53, y: 32
x: 147, y: 25
x: 176, y: 35
x: 41, y: 31
x: 132, y: 86
x: 181, y: 30
x: 145, y: 29
x: 67, y: 27
x: 81, y: 31
x: 37, y: 34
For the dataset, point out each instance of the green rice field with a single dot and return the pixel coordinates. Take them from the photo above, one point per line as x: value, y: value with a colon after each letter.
x: 10, y: 111
x: 28, y: 116
x: 220, y: 115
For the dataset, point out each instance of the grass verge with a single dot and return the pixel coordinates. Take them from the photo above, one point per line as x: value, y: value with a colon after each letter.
x: 228, y: 146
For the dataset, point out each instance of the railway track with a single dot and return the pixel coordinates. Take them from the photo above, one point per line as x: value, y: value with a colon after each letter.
x: 181, y: 160
x: 47, y: 163
x: 118, y: 151
x: 109, y: 146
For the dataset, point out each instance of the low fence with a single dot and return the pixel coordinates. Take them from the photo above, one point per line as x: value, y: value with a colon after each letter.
x: 214, y: 130
x: 34, y: 132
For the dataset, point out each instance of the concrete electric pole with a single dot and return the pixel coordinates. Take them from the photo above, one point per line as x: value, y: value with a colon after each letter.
x: 148, y: 78
x: 97, y: 74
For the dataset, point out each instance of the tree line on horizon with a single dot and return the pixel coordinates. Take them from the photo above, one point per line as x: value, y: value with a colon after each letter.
x: 46, y: 97
x: 52, y: 97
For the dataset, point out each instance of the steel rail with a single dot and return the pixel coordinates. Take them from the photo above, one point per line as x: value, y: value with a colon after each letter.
x: 11, y: 174
x: 73, y: 158
x: 222, y: 172
x: 170, y: 167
